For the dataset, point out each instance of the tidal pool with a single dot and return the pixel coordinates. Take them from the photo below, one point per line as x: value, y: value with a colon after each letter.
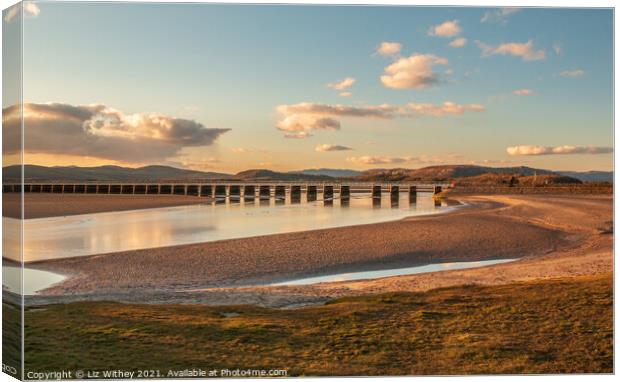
x: 35, y: 280
x: 366, y: 275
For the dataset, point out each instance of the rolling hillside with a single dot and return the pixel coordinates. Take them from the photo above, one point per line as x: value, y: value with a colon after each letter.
x: 460, y: 173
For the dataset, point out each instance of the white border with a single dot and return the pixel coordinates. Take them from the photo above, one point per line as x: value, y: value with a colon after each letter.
x: 470, y: 3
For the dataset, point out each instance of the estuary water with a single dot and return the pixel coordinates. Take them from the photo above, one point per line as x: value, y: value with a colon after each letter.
x: 90, y: 234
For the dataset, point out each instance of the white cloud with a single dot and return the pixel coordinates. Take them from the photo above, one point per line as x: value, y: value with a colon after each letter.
x: 572, y: 73
x: 30, y: 9
x: 328, y: 147
x: 557, y: 48
x: 100, y: 131
x: 557, y: 150
x: 342, y: 85
x: 499, y: 16
x: 458, y: 42
x: 525, y: 51
x: 388, y: 48
x: 345, y: 94
x: 447, y: 108
x: 414, y: 72
x: 523, y: 92
x: 449, y: 28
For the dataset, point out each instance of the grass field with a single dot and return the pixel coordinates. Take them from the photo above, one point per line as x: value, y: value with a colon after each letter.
x: 554, y: 326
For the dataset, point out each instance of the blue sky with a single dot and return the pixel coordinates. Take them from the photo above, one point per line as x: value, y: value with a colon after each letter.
x: 227, y: 69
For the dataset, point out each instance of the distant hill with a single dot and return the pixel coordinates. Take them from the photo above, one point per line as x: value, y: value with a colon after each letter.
x: 259, y: 174
x: 590, y: 176
x: 335, y: 173
x: 447, y: 172
x: 495, y: 179
x: 107, y: 173
x: 461, y: 173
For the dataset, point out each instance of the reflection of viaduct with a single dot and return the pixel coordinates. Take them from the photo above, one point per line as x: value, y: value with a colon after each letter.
x: 220, y: 189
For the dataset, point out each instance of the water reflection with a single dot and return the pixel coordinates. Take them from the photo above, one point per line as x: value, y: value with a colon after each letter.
x: 394, y: 272
x: 225, y: 218
x: 34, y: 279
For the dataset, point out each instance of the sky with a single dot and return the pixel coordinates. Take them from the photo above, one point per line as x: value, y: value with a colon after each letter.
x: 232, y: 87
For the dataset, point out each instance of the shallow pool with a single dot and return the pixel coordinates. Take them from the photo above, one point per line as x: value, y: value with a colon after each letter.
x: 366, y: 275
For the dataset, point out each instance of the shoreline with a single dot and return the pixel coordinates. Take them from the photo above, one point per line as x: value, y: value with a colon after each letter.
x: 493, y: 227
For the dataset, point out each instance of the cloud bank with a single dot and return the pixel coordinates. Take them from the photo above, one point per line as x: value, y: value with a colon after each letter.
x: 368, y: 160
x: 100, y: 131
x: 447, y: 108
x: 557, y: 150
x: 298, y: 120
x: 305, y: 117
x: 376, y: 159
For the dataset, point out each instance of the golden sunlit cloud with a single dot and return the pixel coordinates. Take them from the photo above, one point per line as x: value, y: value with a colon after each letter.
x: 447, y: 108
x: 525, y: 51
x: 449, y: 28
x: 388, y: 48
x: 369, y: 160
x: 305, y: 117
x: 342, y: 85
x: 99, y: 131
x: 523, y: 92
x: 557, y: 150
x: 458, y: 42
x: 414, y: 72
x: 377, y: 159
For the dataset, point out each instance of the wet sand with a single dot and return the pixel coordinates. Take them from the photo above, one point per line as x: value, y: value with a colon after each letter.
x: 48, y: 205
x: 555, y: 235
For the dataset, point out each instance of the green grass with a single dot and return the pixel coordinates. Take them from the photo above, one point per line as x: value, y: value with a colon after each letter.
x: 556, y: 326
x: 11, y: 334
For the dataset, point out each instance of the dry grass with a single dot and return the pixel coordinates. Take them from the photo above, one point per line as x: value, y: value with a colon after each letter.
x: 555, y: 326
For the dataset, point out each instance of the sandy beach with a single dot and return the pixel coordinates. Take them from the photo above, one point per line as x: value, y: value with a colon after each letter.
x: 554, y: 236
x: 48, y: 205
